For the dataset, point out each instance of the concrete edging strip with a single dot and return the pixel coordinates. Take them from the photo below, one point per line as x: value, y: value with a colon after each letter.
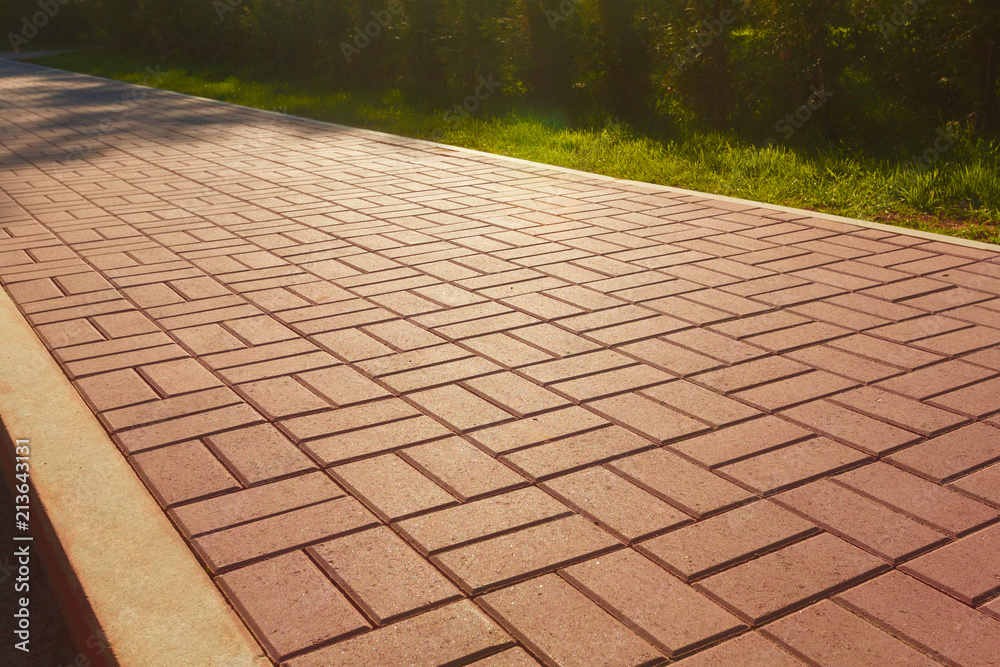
x: 134, y: 593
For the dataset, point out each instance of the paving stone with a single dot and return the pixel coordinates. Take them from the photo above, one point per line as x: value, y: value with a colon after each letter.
x: 835, y: 361
x: 751, y: 374
x: 942, y: 509
x: 70, y: 332
x: 794, y: 390
x: 453, y: 634
x: 726, y: 539
x: 260, y: 330
x: 342, y: 385
x: 255, y: 503
x: 611, y: 382
x: 826, y: 634
x: 793, y: 577
x: 968, y: 568
x: 759, y: 324
x: 383, y: 575
x: 740, y: 441
x: 838, y: 315
x: 403, y: 335
x: 656, y: 605
x: 183, y: 472
x: 258, y: 453
x: 535, y: 430
x: 462, y: 468
x: 360, y: 442
x: 505, y: 350
x: 978, y: 400
x: 700, y: 403
x: 208, y: 339
x: 913, y: 611
x: 669, y: 357
x: 749, y: 650
x: 852, y: 428
x: 234, y: 546
x: 961, y: 342
x: 468, y: 523
x: 352, y: 345
x: 515, y: 394
x: 179, y: 377
x: 899, y: 411
x: 983, y: 484
x: 459, y: 408
x: 391, y: 487
x: 901, y: 356
x: 291, y: 605
x: 810, y: 333
x: 505, y: 559
x: 682, y: 484
x: 715, y: 345
x: 646, y: 416
x: 861, y: 521
x: 34, y: 290
x: 116, y: 389
x: 349, y: 419
x: 118, y: 325
x: 578, y: 366
x: 515, y: 657
x: 953, y: 454
x: 281, y: 397
x: 564, y: 627
x: 168, y: 408
x: 797, y: 463
x: 621, y: 508
x: 436, y: 375
x: 575, y: 452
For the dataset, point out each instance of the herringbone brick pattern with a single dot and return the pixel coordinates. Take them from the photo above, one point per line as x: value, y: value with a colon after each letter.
x: 411, y: 405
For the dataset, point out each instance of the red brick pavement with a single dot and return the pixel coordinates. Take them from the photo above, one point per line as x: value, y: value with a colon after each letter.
x: 411, y: 405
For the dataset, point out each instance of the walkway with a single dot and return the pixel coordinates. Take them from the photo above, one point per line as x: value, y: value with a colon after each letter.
x: 416, y: 405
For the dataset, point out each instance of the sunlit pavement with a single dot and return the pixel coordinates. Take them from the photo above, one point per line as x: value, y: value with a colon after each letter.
x: 416, y: 405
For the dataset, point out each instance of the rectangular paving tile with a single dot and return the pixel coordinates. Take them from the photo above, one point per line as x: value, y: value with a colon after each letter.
x: 790, y: 578
x: 383, y: 575
x: 659, y: 607
x: 456, y: 633
x: 560, y: 623
x: 911, y: 610
x: 505, y: 559
x: 726, y: 539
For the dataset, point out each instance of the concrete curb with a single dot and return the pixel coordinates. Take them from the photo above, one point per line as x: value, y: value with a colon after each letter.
x: 131, y: 590
x: 399, y: 139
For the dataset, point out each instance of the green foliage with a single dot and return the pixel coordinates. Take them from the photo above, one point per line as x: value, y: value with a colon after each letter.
x: 897, y: 68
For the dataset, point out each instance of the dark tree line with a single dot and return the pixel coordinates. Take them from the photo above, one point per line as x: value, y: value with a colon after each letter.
x: 729, y: 64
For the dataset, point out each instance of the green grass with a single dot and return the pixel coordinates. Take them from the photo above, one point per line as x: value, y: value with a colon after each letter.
x: 960, y: 197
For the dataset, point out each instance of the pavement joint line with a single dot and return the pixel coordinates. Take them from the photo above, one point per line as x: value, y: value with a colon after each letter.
x: 931, y: 236
x: 132, y: 591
